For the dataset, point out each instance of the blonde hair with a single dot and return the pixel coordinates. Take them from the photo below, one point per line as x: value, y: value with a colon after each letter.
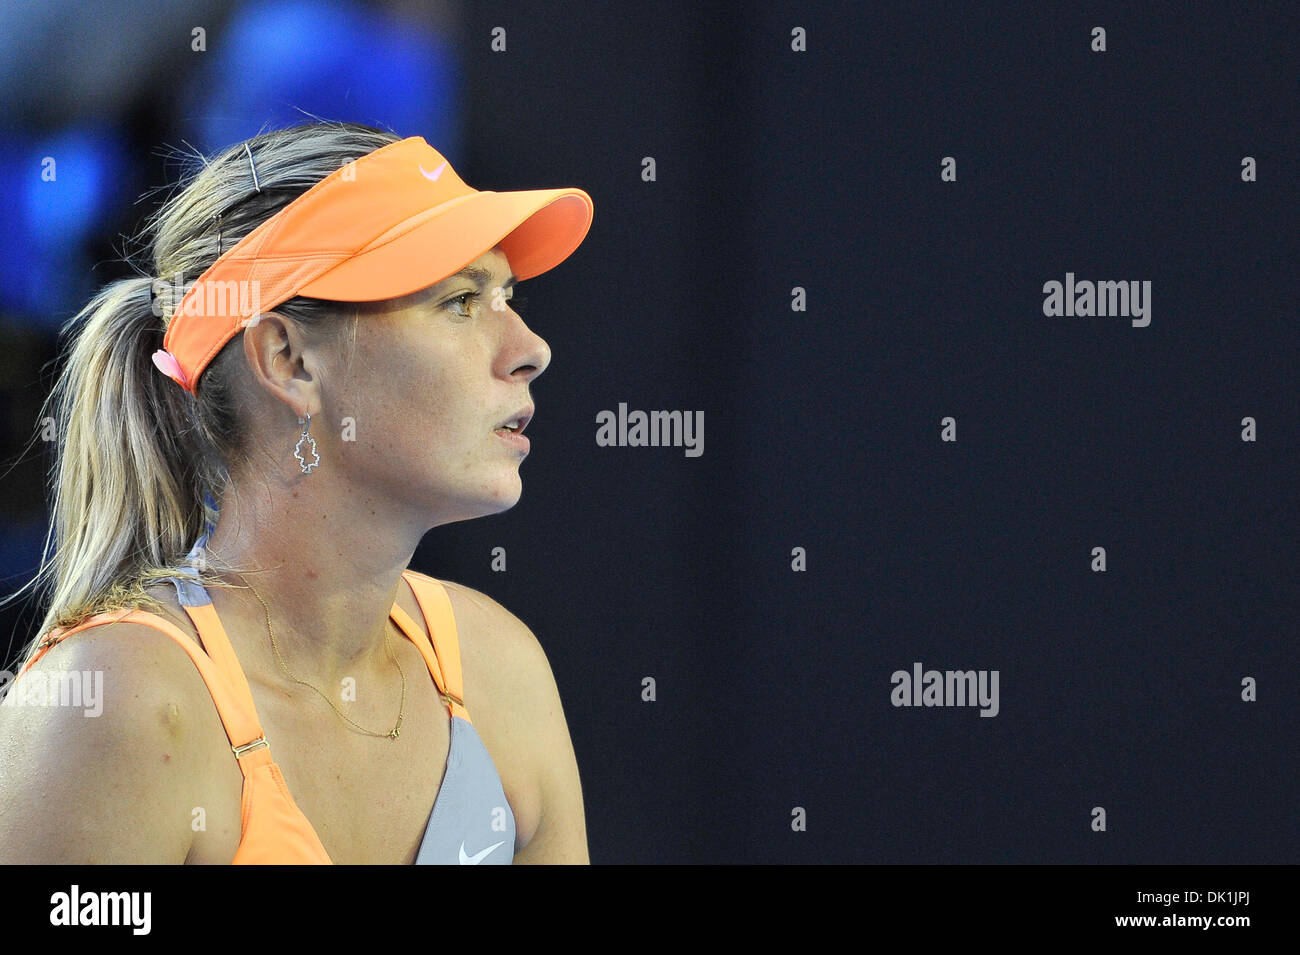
x: 136, y: 455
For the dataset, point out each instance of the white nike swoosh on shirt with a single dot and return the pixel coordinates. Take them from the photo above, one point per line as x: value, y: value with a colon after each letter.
x: 435, y: 174
x: 478, y: 856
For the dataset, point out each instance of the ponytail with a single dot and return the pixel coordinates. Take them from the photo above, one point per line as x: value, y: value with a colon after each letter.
x: 124, y: 493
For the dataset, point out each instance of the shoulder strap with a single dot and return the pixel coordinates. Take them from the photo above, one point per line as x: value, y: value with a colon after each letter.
x: 250, y: 738
x: 237, y: 714
x: 435, y: 605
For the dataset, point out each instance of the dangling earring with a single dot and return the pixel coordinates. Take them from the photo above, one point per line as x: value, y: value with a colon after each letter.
x: 306, y: 468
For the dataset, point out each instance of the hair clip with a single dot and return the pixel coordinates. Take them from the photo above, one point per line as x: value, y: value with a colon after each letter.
x: 170, y: 367
x: 252, y: 168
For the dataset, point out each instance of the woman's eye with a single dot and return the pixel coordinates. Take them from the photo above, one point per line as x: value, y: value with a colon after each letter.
x: 466, y: 295
x: 515, y: 301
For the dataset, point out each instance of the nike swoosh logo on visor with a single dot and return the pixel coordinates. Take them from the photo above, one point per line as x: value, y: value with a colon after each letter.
x: 478, y: 856
x: 433, y: 176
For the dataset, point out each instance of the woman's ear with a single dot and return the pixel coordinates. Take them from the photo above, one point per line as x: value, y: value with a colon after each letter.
x: 281, y: 359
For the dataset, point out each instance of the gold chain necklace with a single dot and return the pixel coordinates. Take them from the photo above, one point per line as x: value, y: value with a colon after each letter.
x: 395, y: 731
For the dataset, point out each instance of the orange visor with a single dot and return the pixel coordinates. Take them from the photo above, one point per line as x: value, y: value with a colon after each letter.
x: 393, y: 222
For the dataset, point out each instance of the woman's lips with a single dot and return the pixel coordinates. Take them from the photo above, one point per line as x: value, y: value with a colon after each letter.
x: 517, y: 441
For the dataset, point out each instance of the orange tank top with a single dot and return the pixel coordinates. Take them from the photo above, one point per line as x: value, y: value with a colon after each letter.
x: 273, y: 830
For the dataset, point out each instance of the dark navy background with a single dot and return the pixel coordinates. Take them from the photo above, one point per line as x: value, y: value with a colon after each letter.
x: 822, y: 170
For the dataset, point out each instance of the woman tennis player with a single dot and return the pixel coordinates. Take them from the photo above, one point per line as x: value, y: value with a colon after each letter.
x: 235, y: 505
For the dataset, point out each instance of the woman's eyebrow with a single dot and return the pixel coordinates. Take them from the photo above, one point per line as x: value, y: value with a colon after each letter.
x: 483, y: 276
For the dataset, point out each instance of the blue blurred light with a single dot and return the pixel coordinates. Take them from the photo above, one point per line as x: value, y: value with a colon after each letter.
x: 67, y: 208
x: 277, y: 62
x: 65, y: 187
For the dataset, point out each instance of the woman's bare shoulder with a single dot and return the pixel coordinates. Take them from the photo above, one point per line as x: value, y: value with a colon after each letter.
x: 486, y: 620
x: 106, y: 735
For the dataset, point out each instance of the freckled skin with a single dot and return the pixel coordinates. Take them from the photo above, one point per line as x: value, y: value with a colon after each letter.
x: 171, y: 719
x: 452, y: 368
